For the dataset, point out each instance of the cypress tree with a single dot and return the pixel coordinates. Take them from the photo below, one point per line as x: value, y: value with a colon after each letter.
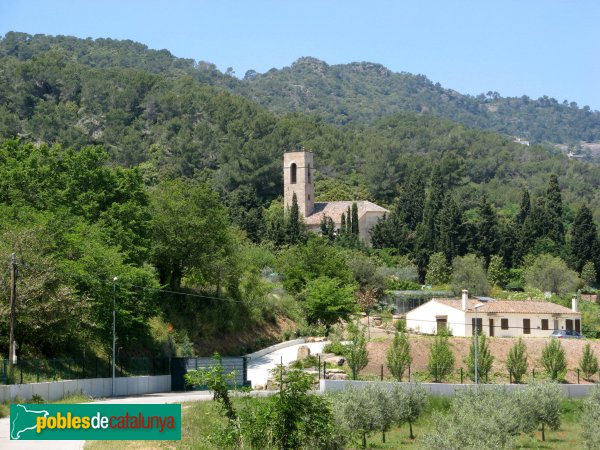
x: 411, y: 199
x: 487, y: 237
x: 556, y: 230
x: 343, y: 225
x: 293, y: 224
x: 584, y: 244
x: 524, y: 209
x: 433, y: 206
x: 354, y: 219
x: 450, y: 229
x: 349, y: 221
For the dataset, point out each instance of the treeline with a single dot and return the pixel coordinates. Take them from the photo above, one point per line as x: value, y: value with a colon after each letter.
x: 357, y: 93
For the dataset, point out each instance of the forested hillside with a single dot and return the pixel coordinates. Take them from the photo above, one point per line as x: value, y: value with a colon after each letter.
x: 116, y: 160
x: 341, y: 94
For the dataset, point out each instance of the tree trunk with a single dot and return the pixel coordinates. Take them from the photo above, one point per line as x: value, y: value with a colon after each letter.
x: 364, y: 440
x: 383, y: 436
x: 543, y: 432
x: 412, y: 436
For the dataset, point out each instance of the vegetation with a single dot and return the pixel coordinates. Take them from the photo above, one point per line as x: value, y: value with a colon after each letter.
x: 590, y: 419
x: 588, y: 362
x: 516, y: 362
x: 485, y: 359
x: 441, y: 358
x: 553, y: 359
x: 398, y: 356
x: 356, y: 349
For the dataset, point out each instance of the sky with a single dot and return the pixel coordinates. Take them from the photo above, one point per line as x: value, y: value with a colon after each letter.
x: 514, y: 47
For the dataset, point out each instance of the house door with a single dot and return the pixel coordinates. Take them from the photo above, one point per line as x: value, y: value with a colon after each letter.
x: 491, y: 327
x: 578, y: 325
x: 555, y: 324
x: 569, y: 324
x: 442, y: 323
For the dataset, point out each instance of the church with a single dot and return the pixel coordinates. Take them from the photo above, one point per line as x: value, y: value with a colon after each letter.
x: 297, y: 179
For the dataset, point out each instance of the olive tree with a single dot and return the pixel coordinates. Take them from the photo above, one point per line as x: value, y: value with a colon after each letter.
x: 539, y: 404
x: 409, y: 403
x: 590, y: 420
x: 357, y: 413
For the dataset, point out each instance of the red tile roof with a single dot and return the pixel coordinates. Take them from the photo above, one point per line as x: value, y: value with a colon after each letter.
x: 336, y: 209
x: 508, y: 306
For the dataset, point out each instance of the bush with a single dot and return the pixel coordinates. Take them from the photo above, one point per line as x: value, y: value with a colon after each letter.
x: 356, y: 351
x: 398, y: 356
x: 588, y: 362
x: 484, y: 358
x: 336, y: 348
x: 516, y: 362
x: 441, y: 358
x: 37, y: 399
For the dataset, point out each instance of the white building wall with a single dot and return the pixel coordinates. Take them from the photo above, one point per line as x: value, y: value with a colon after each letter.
x: 424, y: 318
x: 515, y: 324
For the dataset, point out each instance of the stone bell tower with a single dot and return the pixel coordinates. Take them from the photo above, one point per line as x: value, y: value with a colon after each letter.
x: 297, y: 178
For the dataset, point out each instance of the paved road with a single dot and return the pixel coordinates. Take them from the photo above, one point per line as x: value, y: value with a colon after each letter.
x: 259, y: 368
x: 258, y: 373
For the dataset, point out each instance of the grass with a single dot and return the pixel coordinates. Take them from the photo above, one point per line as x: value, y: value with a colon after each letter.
x: 201, y: 419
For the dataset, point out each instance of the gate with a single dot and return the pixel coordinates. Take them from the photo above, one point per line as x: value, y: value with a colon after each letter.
x: 181, y: 366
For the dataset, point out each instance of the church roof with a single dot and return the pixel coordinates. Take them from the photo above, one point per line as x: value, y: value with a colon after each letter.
x: 335, y: 210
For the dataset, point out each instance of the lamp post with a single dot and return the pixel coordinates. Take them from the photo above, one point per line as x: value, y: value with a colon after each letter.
x: 476, y: 307
x: 114, y: 333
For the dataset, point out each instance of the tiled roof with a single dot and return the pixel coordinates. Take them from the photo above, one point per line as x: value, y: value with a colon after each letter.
x: 335, y: 210
x: 508, y: 306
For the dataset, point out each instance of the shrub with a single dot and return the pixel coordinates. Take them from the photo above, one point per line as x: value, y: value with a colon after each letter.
x: 356, y: 350
x: 484, y: 357
x: 37, y: 399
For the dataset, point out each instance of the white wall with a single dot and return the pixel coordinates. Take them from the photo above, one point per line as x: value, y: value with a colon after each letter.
x: 515, y: 324
x: 449, y: 390
x: 92, y: 387
x: 423, y: 318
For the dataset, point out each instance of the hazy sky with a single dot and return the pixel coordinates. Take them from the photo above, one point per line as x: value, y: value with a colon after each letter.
x: 515, y: 47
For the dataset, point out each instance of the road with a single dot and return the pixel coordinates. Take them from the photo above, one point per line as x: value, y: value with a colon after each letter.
x: 259, y: 368
x: 258, y: 373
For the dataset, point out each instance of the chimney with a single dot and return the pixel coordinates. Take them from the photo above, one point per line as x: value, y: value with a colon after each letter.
x: 465, y: 298
x: 575, y: 304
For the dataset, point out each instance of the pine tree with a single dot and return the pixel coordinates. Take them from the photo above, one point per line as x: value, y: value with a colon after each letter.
x: 588, y: 273
x: 484, y: 357
x: 588, y: 362
x: 516, y: 362
x: 584, y: 244
x: 398, y: 355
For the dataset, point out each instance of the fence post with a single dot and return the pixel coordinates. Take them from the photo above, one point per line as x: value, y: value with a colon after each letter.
x: 461, y: 375
x: 109, y: 365
x: 577, y: 376
x: 509, y: 376
x: 409, y: 373
x: 69, y: 368
x: 324, y: 371
x: 533, y: 373
x: 21, y: 370
x: 37, y: 369
x: 83, y: 367
x: 319, y: 366
x: 121, y: 366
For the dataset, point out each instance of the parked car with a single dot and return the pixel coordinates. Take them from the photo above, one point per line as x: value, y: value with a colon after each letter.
x: 567, y: 334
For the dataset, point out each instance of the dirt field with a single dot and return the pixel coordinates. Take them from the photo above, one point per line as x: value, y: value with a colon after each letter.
x: 460, y: 346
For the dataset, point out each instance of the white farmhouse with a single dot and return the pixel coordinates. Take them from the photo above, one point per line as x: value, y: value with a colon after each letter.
x: 503, y: 318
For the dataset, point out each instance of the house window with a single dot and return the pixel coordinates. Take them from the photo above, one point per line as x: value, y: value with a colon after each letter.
x: 569, y: 324
x: 578, y: 325
x: 308, y: 174
x: 441, y: 323
x: 479, y: 325
x: 544, y: 324
x: 504, y: 324
x: 293, y: 173
x: 526, y: 326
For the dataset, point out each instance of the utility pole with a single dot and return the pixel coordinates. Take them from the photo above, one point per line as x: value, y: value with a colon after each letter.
x: 12, y: 353
x: 114, y: 335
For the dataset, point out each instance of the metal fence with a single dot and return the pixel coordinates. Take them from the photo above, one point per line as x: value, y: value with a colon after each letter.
x: 35, y: 370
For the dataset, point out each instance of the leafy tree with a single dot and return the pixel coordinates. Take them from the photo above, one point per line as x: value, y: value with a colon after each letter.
x: 385, y: 410
x: 326, y: 301
x: 588, y: 363
x: 189, y: 227
x: 588, y: 273
x: 468, y: 273
x: 485, y: 359
x: 441, y: 358
x: 409, y: 402
x: 496, y: 273
x: 553, y: 359
x: 516, y: 362
x: 366, y: 299
x: 438, y: 270
x: 540, y: 404
x: 356, y: 352
x: 398, y: 355
x: 590, y: 418
x: 246, y: 212
x: 550, y: 273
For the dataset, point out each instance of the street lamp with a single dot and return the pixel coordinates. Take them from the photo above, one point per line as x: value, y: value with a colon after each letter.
x: 476, y: 307
x: 114, y: 332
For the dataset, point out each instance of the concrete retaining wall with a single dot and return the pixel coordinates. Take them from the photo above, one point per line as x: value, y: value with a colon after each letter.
x: 449, y: 390
x: 275, y: 347
x: 93, y: 387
